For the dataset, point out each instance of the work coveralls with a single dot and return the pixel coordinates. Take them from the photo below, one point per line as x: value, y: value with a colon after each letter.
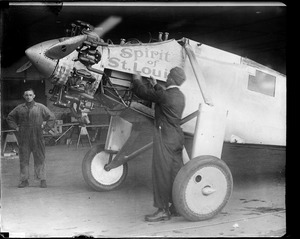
x: 168, y: 138
x: 29, y: 118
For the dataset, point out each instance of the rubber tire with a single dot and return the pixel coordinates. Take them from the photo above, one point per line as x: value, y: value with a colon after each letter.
x: 88, y: 176
x: 184, y: 176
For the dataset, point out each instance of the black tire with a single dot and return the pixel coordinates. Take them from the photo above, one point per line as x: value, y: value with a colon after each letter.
x: 202, y: 188
x: 94, y: 174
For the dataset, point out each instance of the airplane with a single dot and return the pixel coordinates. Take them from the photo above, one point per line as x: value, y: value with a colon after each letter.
x: 229, y: 98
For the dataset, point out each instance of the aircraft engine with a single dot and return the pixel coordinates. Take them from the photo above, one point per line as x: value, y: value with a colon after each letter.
x: 88, y: 53
x: 76, y: 93
x: 78, y: 28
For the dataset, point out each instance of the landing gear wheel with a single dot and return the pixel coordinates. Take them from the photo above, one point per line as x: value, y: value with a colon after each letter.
x: 202, y: 188
x: 96, y: 176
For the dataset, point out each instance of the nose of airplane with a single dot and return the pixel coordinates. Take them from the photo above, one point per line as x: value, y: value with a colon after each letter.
x: 43, y: 64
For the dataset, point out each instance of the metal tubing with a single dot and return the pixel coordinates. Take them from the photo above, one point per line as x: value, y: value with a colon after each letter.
x: 166, y: 36
x: 95, y: 70
x: 189, y: 117
x: 196, y: 69
x: 139, y: 151
x: 116, y: 163
x: 160, y: 36
x: 120, y: 159
x: 71, y: 127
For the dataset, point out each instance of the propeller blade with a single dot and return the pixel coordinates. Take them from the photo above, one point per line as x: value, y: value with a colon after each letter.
x: 107, y: 25
x: 64, y: 48
x: 24, y: 67
x: 67, y: 46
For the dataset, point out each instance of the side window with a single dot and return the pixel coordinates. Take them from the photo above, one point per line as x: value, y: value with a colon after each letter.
x: 262, y: 83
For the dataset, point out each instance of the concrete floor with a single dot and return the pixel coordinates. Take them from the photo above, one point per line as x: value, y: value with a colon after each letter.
x: 68, y: 207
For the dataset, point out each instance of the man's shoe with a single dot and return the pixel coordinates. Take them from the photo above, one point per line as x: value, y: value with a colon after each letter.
x: 43, y: 184
x: 23, y: 184
x: 173, y: 211
x: 159, y: 215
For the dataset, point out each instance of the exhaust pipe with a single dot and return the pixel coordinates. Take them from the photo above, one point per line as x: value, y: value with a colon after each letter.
x: 160, y: 36
x: 166, y: 36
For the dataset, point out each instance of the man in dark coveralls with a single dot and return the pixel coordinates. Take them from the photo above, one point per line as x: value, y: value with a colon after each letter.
x: 27, y: 119
x: 168, y: 138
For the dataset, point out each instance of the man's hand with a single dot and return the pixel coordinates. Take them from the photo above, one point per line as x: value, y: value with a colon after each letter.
x: 46, y: 128
x: 153, y: 81
x: 137, y: 76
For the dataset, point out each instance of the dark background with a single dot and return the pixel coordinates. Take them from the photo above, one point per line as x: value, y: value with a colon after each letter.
x: 257, y: 31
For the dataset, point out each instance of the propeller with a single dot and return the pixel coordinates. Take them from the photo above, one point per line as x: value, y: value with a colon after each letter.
x: 24, y: 67
x: 107, y: 25
x: 65, y: 47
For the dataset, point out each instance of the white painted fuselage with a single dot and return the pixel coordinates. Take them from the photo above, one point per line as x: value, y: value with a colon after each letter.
x: 254, y: 95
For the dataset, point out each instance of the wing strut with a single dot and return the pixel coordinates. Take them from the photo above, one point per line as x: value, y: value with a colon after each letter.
x: 197, y: 71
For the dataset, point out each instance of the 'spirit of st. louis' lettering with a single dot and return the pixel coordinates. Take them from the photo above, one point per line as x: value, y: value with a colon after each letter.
x: 116, y: 63
x: 151, y: 62
x: 145, y: 53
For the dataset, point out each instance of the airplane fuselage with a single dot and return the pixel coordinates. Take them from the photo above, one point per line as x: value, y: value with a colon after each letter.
x: 254, y: 95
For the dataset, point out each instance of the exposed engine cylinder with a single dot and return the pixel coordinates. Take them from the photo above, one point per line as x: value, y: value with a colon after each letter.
x: 88, y: 53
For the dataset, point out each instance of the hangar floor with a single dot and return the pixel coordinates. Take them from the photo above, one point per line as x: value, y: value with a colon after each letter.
x: 69, y: 208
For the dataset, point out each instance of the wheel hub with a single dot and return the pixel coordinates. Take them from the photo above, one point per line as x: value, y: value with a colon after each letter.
x: 101, y: 174
x: 206, y: 190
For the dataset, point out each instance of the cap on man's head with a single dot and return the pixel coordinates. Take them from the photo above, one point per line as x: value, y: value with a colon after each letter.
x: 178, y: 75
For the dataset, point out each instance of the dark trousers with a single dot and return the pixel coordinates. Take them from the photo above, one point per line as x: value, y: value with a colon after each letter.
x: 32, y: 141
x: 166, y: 162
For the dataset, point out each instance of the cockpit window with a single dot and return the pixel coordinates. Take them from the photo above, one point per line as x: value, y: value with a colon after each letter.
x: 262, y: 83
